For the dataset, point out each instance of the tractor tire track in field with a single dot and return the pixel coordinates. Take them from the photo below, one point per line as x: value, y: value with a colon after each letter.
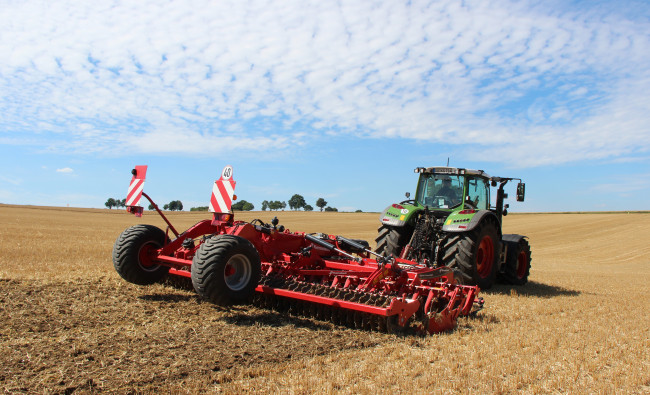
x: 89, y: 335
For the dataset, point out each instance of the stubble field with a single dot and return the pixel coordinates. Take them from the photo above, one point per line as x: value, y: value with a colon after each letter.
x: 71, y: 324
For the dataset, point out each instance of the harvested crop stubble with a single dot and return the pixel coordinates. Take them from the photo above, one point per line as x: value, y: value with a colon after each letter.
x: 71, y: 324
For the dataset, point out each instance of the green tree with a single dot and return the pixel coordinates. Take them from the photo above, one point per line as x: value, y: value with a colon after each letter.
x: 166, y: 206
x: 328, y: 208
x: 283, y: 205
x: 265, y: 205
x: 121, y: 203
x: 110, y: 203
x: 321, y: 203
x: 200, y: 208
x: 308, y: 208
x: 175, y: 205
x: 150, y: 207
x: 275, y: 205
x: 297, y: 202
x: 243, y: 205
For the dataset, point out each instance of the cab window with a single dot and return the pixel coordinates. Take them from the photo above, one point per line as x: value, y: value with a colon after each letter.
x: 478, y: 193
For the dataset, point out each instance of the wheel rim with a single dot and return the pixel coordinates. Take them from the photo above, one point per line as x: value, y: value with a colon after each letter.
x: 146, y: 257
x: 238, y: 272
x: 522, y: 263
x: 485, y: 257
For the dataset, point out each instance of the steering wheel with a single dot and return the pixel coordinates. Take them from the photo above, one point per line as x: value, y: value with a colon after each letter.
x: 435, y: 201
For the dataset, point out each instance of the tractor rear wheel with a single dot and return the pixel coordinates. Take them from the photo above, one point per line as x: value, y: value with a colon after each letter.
x: 226, y: 269
x: 134, y: 254
x: 475, y: 254
x: 517, y: 267
x: 391, y: 240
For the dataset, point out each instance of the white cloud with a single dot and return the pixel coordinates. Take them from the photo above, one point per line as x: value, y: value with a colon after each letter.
x: 531, y: 85
x: 65, y: 170
x: 10, y: 180
x: 623, y: 186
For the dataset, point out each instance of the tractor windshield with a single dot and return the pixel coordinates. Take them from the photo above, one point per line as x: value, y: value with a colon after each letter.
x: 440, y: 190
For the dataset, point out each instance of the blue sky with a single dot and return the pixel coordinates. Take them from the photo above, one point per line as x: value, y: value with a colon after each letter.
x: 340, y: 100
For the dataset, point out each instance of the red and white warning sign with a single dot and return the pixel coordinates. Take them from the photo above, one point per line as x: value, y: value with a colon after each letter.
x: 223, y: 192
x: 135, y: 188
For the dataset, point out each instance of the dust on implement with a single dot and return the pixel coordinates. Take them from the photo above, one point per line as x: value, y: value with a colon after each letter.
x: 325, y: 276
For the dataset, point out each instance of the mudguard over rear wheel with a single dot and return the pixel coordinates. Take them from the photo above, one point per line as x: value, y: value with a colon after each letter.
x: 475, y: 254
x: 134, y: 254
x: 226, y: 269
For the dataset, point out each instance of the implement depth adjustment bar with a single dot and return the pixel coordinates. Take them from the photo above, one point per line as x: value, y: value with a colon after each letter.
x: 330, y: 247
x: 380, y: 258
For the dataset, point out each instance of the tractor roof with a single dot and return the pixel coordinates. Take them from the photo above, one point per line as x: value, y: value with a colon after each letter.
x: 451, y: 171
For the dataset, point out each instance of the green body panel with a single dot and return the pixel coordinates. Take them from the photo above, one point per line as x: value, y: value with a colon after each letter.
x: 399, y: 217
x: 407, y: 215
x: 457, y: 222
x: 456, y: 219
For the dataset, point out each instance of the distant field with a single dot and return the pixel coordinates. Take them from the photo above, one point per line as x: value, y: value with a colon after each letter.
x: 581, y: 325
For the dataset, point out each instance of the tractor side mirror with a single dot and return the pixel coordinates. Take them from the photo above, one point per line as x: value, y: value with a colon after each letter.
x: 521, y: 191
x: 407, y: 194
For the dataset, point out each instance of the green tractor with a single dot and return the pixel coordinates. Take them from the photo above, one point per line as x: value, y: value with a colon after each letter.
x: 450, y: 223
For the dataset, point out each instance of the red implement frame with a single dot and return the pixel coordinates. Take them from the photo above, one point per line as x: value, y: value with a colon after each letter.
x: 318, y: 269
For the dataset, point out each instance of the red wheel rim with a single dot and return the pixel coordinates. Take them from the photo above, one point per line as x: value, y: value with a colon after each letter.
x: 522, y: 264
x: 146, y: 255
x: 485, y: 257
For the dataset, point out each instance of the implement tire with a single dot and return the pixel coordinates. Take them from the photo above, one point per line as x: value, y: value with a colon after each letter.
x: 517, y: 266
x: 226, y: 269
x: 134, y: 254
x: 475, y: 254
x: 391, y: 240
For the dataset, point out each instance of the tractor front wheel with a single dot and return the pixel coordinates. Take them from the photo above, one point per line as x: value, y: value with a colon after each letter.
x: 134, y: 254
x: 226, y: 269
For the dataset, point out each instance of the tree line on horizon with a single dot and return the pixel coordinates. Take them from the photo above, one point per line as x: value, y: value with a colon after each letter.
x: 296, y: 202
x: 174, y: 205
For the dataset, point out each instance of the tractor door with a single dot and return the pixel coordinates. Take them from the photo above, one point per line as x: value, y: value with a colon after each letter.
x: 478, y: 193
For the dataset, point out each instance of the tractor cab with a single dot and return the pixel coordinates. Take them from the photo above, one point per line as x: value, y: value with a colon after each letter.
x: 447, y: 188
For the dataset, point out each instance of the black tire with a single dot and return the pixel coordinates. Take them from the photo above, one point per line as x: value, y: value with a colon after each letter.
x: 475, y: 254
x: 133, y: 254
x: 391, y: 240
x: 226, y: 269
x: 517, y: 266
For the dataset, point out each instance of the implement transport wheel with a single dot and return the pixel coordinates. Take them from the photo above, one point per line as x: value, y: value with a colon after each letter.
x: 476, y: 255
x: 517, y: 267
x: 391, y: 240
x: 134, y: 254
x: 226, y: 269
